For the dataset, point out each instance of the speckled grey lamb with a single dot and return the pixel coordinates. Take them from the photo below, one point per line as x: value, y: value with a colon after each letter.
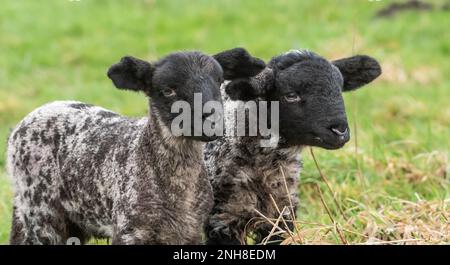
x: 311, y: 113
x: 82, y: 171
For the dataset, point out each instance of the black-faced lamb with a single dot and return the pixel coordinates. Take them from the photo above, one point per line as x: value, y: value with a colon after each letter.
x: 83, y: 171
x: 244, y: 174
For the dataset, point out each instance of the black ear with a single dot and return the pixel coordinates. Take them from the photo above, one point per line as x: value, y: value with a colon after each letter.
x: 131, y: 73
x: 238, y: 63
x: 358, y: 71
x: 241, y: 89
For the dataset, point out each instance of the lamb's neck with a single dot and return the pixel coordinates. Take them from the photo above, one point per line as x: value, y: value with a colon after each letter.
x: 157, y: 142
x: 174, y: 163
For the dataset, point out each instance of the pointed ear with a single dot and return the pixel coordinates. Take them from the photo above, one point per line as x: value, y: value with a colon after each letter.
x: 238, y: 63
x: 358, y: 71
x: 131, y: 73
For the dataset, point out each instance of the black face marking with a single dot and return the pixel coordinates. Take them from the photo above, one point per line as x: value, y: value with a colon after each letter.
x: 185, y: 74
x: 321, y: 107
x: 179, y: 76
x: 309, y: 89
x: 175, y: 77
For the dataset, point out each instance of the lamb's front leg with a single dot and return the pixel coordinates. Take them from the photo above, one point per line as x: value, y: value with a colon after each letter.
x: 283, y: 202
x: 224, y: 229
x: 232, y: 215
x: 228, y: 221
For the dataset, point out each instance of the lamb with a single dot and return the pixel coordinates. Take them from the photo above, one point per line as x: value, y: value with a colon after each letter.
x: 83, y: 171
x: 245, y: 175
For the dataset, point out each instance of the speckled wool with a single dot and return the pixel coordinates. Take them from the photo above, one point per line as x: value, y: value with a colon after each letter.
x: 82, y: 171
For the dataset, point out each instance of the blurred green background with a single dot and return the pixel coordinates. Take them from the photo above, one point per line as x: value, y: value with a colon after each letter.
x: 60, y: 49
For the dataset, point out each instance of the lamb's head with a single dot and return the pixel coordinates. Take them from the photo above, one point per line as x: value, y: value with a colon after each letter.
x: 309, y: 90
x: 177, y: 78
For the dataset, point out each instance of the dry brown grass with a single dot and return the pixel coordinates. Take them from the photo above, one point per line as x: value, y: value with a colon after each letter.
x: 401, y: 222
x: 395, y: 221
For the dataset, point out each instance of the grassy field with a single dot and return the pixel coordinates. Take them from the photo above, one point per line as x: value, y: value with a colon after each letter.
x: 391, y: 182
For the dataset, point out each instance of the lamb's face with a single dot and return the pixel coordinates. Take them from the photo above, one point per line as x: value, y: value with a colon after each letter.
x: 181, y: 78
x: 312, y: 110
x: 309, y: 91
x: 175, y: 78
x: 178, y: 77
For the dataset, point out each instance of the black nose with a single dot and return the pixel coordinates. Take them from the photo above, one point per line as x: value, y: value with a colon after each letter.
x: 340, y: 129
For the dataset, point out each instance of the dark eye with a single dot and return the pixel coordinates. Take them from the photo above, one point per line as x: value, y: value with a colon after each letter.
x: 168, y: 92
x: 292, y: 97
x: 220, y: 80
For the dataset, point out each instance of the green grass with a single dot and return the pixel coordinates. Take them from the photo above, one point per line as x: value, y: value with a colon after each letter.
x: 60, y: 49
x: 5, y: 208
